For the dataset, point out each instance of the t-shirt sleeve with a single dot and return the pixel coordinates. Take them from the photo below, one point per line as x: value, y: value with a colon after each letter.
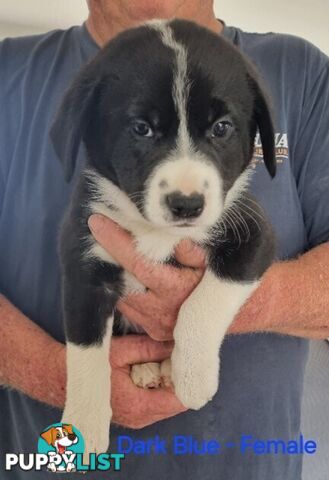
x: 312, y: 150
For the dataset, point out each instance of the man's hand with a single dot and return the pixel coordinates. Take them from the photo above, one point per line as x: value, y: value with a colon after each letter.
x: 133, y: 406
x: 157, y: 309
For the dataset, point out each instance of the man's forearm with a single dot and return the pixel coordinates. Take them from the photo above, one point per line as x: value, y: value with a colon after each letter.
x: 30, y: 360
x: 292, y: 299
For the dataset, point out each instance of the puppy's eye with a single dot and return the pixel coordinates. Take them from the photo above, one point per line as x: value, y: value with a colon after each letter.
x: 142, y: 128
x: 221, y: 128
x: 58, y: 435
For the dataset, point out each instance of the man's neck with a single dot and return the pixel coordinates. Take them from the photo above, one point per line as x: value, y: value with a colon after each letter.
x: 104, y: 25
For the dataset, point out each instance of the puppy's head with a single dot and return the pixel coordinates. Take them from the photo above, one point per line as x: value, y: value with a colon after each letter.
x: 168, y: 112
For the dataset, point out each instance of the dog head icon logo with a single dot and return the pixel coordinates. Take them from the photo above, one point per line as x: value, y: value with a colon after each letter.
x: 59, y: 441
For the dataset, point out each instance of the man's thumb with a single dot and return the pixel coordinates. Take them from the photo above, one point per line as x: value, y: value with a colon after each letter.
x: 190, y: 255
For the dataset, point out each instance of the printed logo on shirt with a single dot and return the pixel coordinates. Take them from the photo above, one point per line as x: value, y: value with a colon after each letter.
x: 281, y: 149
x: 61, y: 450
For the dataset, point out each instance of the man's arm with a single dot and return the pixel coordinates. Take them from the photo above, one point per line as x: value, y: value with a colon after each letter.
x: 34, y: 363
x: 293, y: 298
x: 30, y: 360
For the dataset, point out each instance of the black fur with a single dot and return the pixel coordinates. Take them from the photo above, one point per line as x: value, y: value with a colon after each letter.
x: 133, y: 77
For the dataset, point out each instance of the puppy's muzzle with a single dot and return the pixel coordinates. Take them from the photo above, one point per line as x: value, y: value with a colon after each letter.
x: 185, y: 206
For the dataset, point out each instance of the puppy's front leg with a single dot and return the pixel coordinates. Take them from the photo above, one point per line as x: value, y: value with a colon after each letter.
x: 89, y: 322
x: 201, y: 326
x: 87, y: 404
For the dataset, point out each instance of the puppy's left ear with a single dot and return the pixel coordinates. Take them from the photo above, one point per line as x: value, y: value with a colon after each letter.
x: 72, y: 118
x: 264, y: 121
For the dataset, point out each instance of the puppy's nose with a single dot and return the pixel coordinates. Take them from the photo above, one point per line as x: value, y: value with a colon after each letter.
x: 183, y: 206
x: 71, y: 436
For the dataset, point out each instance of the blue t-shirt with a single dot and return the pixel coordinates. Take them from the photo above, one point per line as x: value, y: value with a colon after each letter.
x: 262, y: 375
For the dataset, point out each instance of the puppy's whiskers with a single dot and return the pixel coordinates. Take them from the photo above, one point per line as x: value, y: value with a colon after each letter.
x: 250, y: 212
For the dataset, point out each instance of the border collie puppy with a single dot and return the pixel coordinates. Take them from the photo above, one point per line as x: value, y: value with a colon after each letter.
x: 168, y: 114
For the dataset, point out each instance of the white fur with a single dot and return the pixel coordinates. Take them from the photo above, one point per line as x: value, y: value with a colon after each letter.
x: 132, y: 285
x: 181, y: 84
x: 193, y: 174
x: 165, y: 372
x: 146, y: 375
x: 239, y: 186
x: 88, y: 392
x: 152, y: 374
x: 97, y: 251
x: 201, y: 326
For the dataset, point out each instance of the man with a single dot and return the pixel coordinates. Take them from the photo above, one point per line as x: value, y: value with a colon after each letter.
x: 262, y: 374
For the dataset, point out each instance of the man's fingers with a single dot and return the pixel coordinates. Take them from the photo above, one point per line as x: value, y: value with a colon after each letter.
x: 132, y: 349
x: 163, y: 402
x: 144, y: 407
x: 133, y: 315
x: 190, y: 255
x: 119, y: 244
x: 138, y: 301
x: 157, y: 331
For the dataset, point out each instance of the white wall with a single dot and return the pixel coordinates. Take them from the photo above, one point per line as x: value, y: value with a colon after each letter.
x: 307, y: 18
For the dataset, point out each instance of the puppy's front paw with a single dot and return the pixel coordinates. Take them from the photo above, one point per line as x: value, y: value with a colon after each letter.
x: 195, y: 381
x: 146, y: 375
x: 165, y: 370
x: 96, y: 441
x: 95, y: 429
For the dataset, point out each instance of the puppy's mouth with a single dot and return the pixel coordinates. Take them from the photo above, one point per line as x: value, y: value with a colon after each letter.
x: 184, y: 224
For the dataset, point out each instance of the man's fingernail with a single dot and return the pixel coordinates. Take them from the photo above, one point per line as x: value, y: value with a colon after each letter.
x: 96, y: 222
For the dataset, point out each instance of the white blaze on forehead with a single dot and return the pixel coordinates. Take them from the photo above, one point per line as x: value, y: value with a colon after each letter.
x: 181, y: 84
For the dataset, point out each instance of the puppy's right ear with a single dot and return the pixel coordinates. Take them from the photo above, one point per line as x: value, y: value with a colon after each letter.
x: 72, y: 118
x: 264, y: 120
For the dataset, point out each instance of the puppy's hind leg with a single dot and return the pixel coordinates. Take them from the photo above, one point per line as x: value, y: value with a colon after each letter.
x: 87, y: 407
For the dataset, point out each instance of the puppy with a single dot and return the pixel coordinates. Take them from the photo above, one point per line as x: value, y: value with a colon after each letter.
x: 60, y: 438
x: 168, y: 114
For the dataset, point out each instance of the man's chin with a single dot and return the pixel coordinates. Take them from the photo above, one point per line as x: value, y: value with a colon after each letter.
x: 144, y: 10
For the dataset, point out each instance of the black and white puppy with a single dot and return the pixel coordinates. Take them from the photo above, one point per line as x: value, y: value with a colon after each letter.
x: 168, y: 114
